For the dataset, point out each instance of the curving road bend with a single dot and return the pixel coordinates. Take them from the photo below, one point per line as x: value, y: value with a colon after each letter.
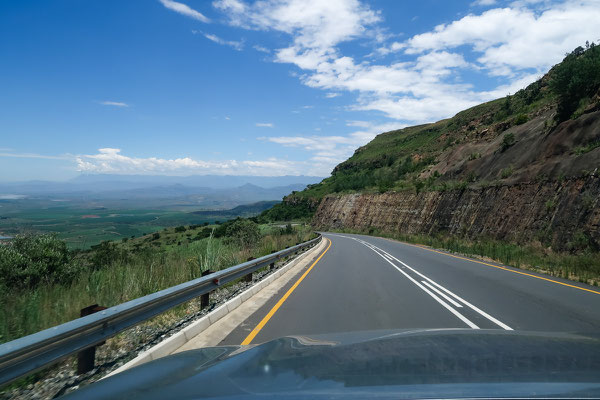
x: 363, y: 283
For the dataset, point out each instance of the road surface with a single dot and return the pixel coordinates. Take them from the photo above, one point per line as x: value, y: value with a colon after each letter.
x: 362, y: 283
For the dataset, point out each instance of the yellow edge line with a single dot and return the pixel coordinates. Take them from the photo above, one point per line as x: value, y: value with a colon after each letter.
x: 267, y: 317
x: 499, y: 267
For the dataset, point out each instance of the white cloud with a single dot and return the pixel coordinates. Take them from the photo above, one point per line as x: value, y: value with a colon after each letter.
x: 392, y: 48
x: 509, y: 40
x: 483, y: 3
x: 262, y: 49
x: 328, y: 151
x: 9, y: 153
x: 360, y: 124
x: 331, y: 95
x: 237, y: 45
x: 516, y: 43
x: 264, y: 124
x: 316, y: 26
x: 313, y: 23
x: 114, y: 103
x: 110, y: 160
x: 184, y: 10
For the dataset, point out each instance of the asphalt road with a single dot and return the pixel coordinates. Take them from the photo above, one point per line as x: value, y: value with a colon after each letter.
x: 364, y: 283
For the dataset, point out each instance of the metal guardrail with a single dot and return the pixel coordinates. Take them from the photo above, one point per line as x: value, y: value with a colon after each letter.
x: 31, y: 353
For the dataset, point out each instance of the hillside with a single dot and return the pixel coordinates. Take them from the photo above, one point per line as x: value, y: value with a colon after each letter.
x: 246, y: 210
x: 523, y: 167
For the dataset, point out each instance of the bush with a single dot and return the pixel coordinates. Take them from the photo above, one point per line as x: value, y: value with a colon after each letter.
x: 106, y: 253
x: 418, y: 184
x: 180, y: 229
x: 521, y: 119
x: 506, y: 172
x: 244, y: 231
x: 507, y: 141
x: 288, y: 230
x: 28, y: 261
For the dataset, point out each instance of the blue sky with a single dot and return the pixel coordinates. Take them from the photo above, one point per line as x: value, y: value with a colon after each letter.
x: 278, y: 87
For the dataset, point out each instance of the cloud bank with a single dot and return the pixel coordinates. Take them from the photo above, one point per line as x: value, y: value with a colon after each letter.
x: 113, y: 161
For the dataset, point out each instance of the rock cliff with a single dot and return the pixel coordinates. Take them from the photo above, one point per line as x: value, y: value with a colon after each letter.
x: 564, y: 214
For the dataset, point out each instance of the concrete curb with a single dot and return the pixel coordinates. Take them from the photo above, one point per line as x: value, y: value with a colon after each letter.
x: 174, y: 342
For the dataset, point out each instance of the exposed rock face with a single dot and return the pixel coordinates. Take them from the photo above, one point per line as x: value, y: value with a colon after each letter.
x: 558, y: 212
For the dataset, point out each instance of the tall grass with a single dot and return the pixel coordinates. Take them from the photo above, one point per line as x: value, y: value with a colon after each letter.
x: 146, y: 272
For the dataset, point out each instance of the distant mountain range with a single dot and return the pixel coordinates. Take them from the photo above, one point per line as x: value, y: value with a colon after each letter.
x: 201, y: 191
x: 107, y: 182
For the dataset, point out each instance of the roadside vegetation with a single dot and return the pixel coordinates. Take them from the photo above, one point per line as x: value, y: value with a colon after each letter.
x: 43, y: 283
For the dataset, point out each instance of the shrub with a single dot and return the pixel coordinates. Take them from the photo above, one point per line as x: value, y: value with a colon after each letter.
x: 28, y: 261
x: 588, y: 147
x: 418, y: 184
x: 506, y: 172
x: 580, y: 241
x: 106, y: 253
x: 289, y: 229
x: 507, y: 141
x: 244, y: 231
x: 521, y: 119
x: 180, y: 229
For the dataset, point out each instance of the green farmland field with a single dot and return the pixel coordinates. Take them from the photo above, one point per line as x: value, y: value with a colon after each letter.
x: 84, y: 227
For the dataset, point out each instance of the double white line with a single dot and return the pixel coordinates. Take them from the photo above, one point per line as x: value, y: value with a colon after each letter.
x: 439, y: 293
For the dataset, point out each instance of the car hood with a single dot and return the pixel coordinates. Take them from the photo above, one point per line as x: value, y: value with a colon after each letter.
x: 446, y: 363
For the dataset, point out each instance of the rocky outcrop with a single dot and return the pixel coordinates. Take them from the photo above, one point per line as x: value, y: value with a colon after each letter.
x: 563, y: 213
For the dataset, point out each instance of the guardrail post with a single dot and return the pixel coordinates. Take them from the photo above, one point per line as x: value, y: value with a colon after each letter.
x: 205, y: 298
x: 86, y: 358
x: 248, y: 278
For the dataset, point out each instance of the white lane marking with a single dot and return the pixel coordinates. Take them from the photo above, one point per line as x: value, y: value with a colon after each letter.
x: 430, y: 286
x: 442, y: 302
x: 488, y: 316
x: 476, y: 309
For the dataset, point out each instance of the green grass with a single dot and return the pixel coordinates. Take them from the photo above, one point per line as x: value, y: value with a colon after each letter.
x: 581, y: 267
x: 155, y: 265
x: 587, y: 148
